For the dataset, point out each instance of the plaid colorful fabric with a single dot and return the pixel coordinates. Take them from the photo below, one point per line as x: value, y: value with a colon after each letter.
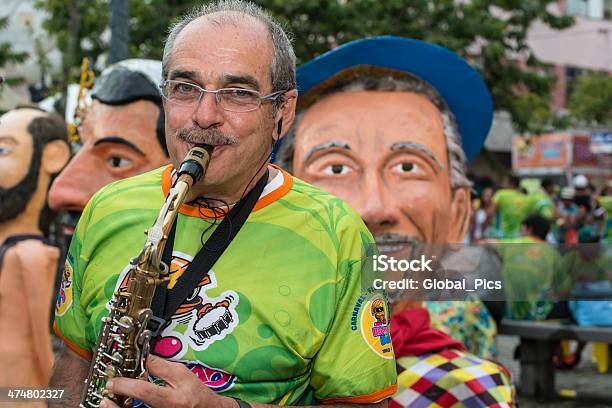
x: 452, y: 378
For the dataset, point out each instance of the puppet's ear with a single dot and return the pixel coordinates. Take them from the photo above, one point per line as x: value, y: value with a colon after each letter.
x: 55, y: 156
x: 460, y: 212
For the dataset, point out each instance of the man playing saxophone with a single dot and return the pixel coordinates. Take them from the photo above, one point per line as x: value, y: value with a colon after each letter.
x: 283, y: 315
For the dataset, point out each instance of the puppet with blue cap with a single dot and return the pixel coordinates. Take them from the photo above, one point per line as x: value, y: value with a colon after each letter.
x: 387, y: 124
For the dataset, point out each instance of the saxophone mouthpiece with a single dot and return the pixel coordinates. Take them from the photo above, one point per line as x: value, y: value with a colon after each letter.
x: 196, y: 162
x: 207, y: 147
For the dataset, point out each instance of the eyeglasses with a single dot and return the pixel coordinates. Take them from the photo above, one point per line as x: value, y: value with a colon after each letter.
x: 230, y: 99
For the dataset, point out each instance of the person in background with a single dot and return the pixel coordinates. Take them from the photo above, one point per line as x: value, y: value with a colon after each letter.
x: 567, y: 220
x: 583, y: 195
x: 542, y: 200
x: 530, y: 270
x: 604, y: 201
x: 483, y: 215
x: 512, y: 207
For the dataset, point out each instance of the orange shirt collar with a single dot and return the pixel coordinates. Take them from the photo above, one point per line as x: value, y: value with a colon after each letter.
x: 195, y: 211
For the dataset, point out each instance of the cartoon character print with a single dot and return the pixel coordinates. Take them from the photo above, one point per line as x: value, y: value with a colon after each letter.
x: 207, y: 319
x: 377, y: 309
x: 64, y: 296
x: 374, y: 326
x: 380, y: 328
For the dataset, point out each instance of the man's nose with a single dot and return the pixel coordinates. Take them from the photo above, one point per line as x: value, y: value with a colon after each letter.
x: 378, y: 208
x: 75, y: 185
x: 208, y: 113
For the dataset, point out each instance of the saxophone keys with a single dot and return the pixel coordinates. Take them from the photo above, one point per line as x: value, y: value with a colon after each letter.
x: 144, y: 338
x: 158, y: 282
x: 118, y: 358
x: 125, y: 322
x: 110, y: 371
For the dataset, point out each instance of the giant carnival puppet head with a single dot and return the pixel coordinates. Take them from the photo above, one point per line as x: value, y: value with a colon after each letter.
x: 122, y: 134
x: 386, y: 124
x: 33, y: 148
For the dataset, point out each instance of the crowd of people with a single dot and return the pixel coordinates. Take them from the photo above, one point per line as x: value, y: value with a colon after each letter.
x: 553, y: 241
x: 577, y: 213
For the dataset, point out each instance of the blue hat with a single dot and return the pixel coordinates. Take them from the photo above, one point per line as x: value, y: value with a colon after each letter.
x: 460, y: 85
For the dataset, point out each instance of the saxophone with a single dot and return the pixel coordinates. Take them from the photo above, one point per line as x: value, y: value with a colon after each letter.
x: 123, y: 344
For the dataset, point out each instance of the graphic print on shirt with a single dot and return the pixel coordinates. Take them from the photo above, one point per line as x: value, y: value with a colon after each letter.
x: 64, y: 295
x: 375, y: 327
x: 200, y: 320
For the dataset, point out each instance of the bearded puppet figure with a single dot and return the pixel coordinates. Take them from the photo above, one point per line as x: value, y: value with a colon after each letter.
x: 122, y: 135
x: 33, y: 148
x: 386, y: 124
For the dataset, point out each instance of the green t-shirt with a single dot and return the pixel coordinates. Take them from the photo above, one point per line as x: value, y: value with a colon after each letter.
x: 540, y: 203
x: 606, y: 203
x: 513, y: 208
x: 530, y: 270
x: 586, y: 263
x: 282, y: 317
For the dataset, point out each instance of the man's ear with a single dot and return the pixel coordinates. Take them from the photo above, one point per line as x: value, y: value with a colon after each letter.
x: 460, y: 214
x: 55, y: 156
x: 285, y: 113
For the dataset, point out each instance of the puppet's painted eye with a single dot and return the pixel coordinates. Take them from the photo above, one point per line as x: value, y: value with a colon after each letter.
x: 118, y: 162
x: 406, y: 167
x: 336, y: 169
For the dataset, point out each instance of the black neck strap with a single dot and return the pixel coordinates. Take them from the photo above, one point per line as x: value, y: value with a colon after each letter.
x: 167, y: 301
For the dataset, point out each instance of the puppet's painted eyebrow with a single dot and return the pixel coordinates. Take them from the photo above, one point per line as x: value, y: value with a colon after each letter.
x: 412, y: 146
x: 8, y: 138
x: 122, y: 141
x: 328, y: 145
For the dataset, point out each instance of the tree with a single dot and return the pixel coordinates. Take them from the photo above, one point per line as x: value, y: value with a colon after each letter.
x: 491, y: 34
x: 9, y: 56
x: 591, y: 100
x: 78, y: 27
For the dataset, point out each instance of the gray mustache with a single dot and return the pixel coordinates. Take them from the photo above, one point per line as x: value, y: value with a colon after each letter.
x: 391, y: 238
x: 208, y: 136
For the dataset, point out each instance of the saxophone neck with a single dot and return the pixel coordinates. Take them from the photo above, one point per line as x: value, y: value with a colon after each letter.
x: 157, y: 235
x: 190, y: 171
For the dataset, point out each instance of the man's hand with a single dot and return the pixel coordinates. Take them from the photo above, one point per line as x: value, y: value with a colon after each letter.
x: 183, y: 388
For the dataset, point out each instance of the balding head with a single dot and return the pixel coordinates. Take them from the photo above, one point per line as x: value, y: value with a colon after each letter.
x: 241, y: 15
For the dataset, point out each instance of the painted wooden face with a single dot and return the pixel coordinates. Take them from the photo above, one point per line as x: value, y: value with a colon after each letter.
x: 16, y: 146
x: 117, y: 142
x: 19, y: 173
x: 385, y: 154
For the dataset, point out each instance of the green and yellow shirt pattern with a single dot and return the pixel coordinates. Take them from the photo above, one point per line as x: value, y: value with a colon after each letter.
x: 283, y: 316
x: 513, y: 207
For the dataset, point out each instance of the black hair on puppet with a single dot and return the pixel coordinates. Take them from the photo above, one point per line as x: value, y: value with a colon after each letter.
x: 120, y: 86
